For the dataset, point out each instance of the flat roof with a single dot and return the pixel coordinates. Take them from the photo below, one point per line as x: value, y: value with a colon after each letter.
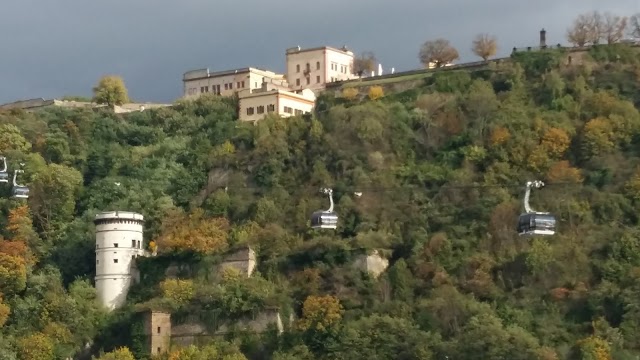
x: 297, y: 50
x: 206, y: 73
x: 277, y: 92
x: 124, y: 215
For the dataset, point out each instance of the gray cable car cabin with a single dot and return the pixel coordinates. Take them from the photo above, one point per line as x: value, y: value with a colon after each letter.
x: 533, y: 222
x: 326, y: 219
x: 536, y: 223
x: 4, y: 175
x: 19, y: 191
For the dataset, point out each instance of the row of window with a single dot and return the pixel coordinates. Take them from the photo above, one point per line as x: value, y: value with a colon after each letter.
x: 216, y: 88
x: 115, y: 261
x: 334, y: 66
x: 136, y: 244
x: 308, y: 67
x: 308, y: 81
x: 292, y: 111
x: 260, y: 109
x: 343, y: 68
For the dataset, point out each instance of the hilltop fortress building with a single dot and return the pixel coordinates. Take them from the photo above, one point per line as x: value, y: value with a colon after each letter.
x: 262, y: 92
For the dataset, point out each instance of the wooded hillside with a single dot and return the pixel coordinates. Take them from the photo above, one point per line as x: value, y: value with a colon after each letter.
x: 441, y: 168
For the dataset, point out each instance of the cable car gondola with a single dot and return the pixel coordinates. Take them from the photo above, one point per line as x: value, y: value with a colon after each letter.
x: 19, y: 191
x: 326, y: 219
x: 534, y: 222
x: 4, y: 175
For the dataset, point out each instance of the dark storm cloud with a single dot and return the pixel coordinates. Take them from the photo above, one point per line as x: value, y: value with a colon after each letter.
x: 55, y: 48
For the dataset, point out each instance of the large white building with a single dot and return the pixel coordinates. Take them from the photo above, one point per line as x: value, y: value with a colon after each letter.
x: 118, y: 242
x: 255, y: 104
x: 313, y: 68
x: 228, y: 82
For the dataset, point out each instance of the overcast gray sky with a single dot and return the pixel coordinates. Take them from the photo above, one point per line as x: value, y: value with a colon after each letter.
x: 56, y: 48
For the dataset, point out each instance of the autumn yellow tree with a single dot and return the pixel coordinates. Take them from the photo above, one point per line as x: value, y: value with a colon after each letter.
x: 11, y: 139
x: 194, y: 232
x: 555, y: 142
x: 632, y: 186
x: 5, y: 310
x: 13, y: 274
x: 122, y: 353
x: 598, y: 137
x: 350, y: 93
x: 438, y: 53
x: 178, y: 291
x: 499, y: 136
x: 485, y: 46
x: 319, y: 313
x: 375, y: 92
x: 594, y: 348
x: 110, y: 90
x: 36, y: 346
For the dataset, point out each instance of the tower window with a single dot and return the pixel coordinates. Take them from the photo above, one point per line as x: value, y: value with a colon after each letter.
x: 115, y: 261
x: 115, y: 244
x: 158, y: 329
x: 159, y: 350
x: 133, y: 243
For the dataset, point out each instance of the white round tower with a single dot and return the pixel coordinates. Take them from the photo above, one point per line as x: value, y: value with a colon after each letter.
x: 118, y: 241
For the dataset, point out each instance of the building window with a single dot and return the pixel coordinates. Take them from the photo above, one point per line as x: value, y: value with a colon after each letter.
x: 318, y: 79
x: 115, y: 261
x: 261, y: 109
x: 250, y: 111
x: 297, y: 82
x: 139, y: 245
x: 226, y: 86
x: 242, y: 84
x: 133, y: 243
x: 288, y: 110
x: 115, y: 244
x: 159, y: 350
x: 318, y: 65
x: 298, y: 68
x: 308, y: 67
x: 158, y: 329
x: 238, y: 85
x: 308, y: 80
x: 271, y: 108
x: 298, y: 112
x: 230, y: 86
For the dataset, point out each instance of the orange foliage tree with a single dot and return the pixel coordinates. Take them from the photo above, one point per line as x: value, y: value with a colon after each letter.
x: 555, y: 141
x: 194, y: 232
x: 499, y: 136
x: 562, y: 171
x: 320, y: 313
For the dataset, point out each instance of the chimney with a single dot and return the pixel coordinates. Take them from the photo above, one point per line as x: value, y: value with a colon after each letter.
x: 543, y: 39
